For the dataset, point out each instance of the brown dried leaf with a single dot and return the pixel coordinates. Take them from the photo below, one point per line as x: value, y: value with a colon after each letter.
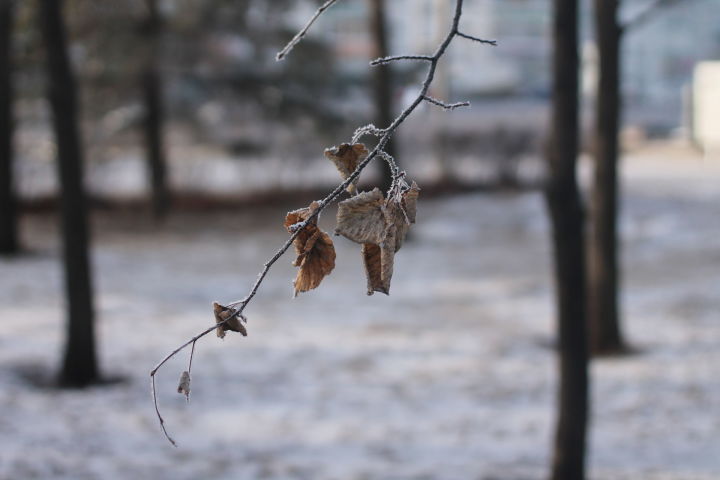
x: 380, y: 225
x: 400, y: 214
x: 361, y: 219
x: 346, y: 158
x: 233, y: 325
x: 314, y: 249
x: 409, y: 201
x: 378, y: 268
x: 184, y: 385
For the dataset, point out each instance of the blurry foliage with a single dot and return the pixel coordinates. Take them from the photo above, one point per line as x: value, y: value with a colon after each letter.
x: 218, y: 69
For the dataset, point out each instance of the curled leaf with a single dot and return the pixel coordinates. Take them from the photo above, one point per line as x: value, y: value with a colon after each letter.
x: 346, y: 158
x: 360, y: 218
x: 314, y: 248
x: 184, y: 385
x: 380, y: 225
x: 222, y: 313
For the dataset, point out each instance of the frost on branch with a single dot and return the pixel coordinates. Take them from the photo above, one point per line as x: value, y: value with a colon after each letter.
x: 380, y: 225
x: 222, y: 313
x: 346, y: 158
x: 314, y: 249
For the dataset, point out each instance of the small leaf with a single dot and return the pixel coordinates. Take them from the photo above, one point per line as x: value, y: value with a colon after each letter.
x: 234, y: 324
x: 184, y: 385
x: 361, y: 219
x: 399, y: 214
x: 376, y: 273
x: 409, y: 201
x: 346, y: 158
x: 381, y: 226
x: 314, y: 248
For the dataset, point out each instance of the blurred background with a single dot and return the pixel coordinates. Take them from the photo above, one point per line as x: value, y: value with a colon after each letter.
x: 195, y: 142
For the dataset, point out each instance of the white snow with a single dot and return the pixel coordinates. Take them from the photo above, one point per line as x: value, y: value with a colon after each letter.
x: 448, y: 378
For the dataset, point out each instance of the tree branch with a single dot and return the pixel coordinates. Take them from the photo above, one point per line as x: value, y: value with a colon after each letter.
x: 476, y: 39
x: 384, y: 60
x: 384, y: 133
x: 446, y: 106
x: 299, y: 36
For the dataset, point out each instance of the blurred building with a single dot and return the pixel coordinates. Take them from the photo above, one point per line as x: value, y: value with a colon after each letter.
x: 706, y: 107
x: 659, y: 53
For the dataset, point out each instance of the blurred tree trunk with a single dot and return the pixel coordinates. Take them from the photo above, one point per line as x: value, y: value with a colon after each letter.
x: 382, y: 83
x: 566, y: 215
x: 80, y: 361
x: 154, y: 117
x: 603, y: 279
x: 8, y: 205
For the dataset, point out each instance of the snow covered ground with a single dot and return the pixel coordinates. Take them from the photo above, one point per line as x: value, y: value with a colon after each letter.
x: 448, y: 378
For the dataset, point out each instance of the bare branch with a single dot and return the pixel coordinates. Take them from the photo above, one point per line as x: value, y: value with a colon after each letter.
x: 157, y: 411
x: 398, y: 177
x: 369, y: 129
x: 647, y: 14
x: 476, y: 39
x: 299, y: 36
x: 446, y: 106
x: 384, y: 60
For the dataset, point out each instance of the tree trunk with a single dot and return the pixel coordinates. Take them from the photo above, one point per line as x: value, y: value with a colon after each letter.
x: 566, y: 215
x: 8, y: 205
x: 382, y: 83
x: 154, y: 114
x: 80, y: 362
x: 603, y: 279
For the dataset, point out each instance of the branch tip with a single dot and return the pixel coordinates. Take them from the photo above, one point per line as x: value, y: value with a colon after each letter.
x: 445, y: 106
x: 476, y: 39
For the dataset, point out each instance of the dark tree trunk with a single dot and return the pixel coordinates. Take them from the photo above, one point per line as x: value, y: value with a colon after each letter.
x: 603, y: 279
x: 566, y: 215
x: 80, y: 361
x: 154, y: 113
x: 382, y: 82
x: 8, y: 205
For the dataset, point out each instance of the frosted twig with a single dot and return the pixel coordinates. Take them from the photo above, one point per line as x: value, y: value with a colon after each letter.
x: 391, y: 162
x: 398, y: 183
x: 476, y: 39
x: 446, y: 106
x: 299, y: 36
x: 367, y: 130
x: 383, y: 60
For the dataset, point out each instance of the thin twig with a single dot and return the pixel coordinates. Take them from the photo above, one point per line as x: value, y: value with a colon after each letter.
x: 384, y: 133
x: 476, y: 39
x: 192, y: 352
x: 446, y: 106
x: 384, y: 60
x: 367, y: 130
x: 157, y: 411
x: 297, y: 38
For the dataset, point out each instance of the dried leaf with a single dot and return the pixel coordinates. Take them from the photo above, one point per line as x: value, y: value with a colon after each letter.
x: 346, y: 158
x: 400, y: 214
x: 361, y: 219
x: 376, y: 272
x: 409, y: 201
x: 234, y: 324
x: 314, y: 249
x: 381, y: 226
x: 184, y: 385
